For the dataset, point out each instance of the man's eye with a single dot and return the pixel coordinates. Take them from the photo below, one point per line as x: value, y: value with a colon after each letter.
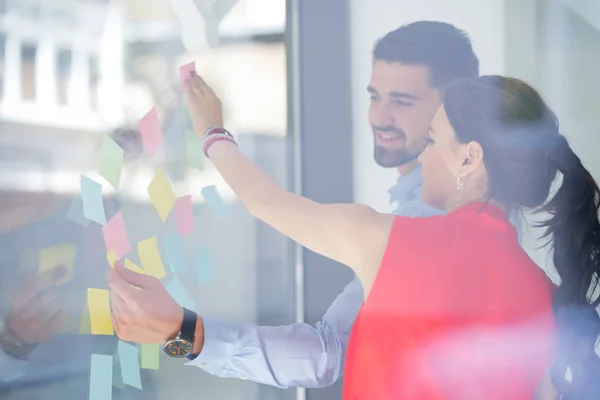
x: 404, y: 103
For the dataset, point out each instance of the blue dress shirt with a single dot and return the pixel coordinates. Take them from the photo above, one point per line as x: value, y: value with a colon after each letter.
x: 299, y: 355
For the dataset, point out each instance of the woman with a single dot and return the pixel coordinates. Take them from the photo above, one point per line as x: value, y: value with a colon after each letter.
x: 455, y: 308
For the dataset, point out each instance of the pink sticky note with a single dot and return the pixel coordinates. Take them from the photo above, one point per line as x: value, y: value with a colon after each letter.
x: 115, y: 236
x: 152, y: 136
x: 183, y: 215
x: 184, y: 72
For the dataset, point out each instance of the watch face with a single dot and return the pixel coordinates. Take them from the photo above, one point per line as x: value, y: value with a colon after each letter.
x: 179, y: 348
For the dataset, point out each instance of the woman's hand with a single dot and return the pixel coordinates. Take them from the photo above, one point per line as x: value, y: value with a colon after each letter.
x: 203, y: 104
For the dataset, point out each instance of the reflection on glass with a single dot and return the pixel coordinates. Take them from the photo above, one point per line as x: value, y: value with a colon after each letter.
x: 28, y: 71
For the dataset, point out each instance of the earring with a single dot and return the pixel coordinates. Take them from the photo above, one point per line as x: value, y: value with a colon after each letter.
x: 459, y: 184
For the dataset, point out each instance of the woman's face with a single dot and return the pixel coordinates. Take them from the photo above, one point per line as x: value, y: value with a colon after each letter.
x: 441, y: 161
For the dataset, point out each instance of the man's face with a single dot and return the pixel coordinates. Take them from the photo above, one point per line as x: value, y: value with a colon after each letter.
x: 402, y: 105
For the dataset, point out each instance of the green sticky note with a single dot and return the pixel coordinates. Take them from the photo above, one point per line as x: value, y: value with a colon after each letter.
x: 111, y: 161
x: 149, y: 355
x: 193, y: 146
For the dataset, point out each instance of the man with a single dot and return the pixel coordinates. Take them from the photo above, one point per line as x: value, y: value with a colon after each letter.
x: 411, y: 67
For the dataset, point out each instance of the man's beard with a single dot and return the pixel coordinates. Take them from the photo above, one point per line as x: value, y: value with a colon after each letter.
x: 391, y: 158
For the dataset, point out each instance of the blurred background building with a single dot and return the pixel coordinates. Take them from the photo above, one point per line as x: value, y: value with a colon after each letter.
x: 292, y: 77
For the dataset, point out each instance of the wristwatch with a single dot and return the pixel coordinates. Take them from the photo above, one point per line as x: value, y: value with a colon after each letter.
x: 12, y: 344
x: 182, y: 345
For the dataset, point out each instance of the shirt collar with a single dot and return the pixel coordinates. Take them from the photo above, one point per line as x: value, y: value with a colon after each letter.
x: 405, y: 185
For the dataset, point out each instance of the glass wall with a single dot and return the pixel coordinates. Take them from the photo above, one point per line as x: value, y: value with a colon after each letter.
x: 76, y: 77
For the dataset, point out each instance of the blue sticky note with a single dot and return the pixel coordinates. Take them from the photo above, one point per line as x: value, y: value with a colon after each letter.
x: 101, y: 376
x: 130, y: 365
x: 173, y: 247
x: 75, y: 212
x: 215, y: 202
x: 91, y: 194
x: 178, y: 292
x: 203, y: 266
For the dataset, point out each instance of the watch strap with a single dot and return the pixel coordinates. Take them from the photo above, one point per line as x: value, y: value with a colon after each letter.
x: 188, y: 326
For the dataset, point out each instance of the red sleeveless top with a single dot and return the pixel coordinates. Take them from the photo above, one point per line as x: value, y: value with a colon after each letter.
x: 458, y: 311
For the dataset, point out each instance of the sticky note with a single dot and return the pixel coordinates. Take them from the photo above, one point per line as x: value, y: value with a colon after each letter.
x: 178, y: 292
x: 99, y: 309
x: 184, y: 72
x: 150, y: 258
x: 203, y: 266
x: 184, y: 217
x: 91, y: 195
x: 215, y: 202
x: 115, y: 236
x: 61, y: 255
x: 174, y: 251
x: 152, y: 137
x: 193, y: 147
x: 75, y: 212
x: 161, y: 194
x: 112, y: 258
x: 101, y: 377
x: 130, y: 365
x: 132, y: 267
x: 111, y: 161
x: 149, y: 355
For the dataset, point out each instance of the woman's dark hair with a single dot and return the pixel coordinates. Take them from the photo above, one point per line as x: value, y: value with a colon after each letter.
x: 523, y: 153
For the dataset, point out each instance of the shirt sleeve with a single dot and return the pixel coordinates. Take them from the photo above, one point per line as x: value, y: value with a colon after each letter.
x: 11, y: 369
x: 297, y: 355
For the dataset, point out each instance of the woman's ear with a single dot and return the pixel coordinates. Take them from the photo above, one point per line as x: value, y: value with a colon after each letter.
x: 472, y: 155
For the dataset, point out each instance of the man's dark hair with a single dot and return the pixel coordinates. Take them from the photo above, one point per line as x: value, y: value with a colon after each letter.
x: 445, y: 49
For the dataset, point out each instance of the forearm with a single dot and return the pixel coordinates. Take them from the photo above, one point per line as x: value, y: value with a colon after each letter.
x: 255, y: 189
x: 11, y: 369
x: 297, y: 355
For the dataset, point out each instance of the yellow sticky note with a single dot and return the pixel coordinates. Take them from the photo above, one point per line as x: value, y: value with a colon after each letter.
x: 150, y: 258
x: 149, y: 356
x: 99, y: 309
x: 62, y: 255
x: 131, y: 266
x: 112, y: 258
x: 161, y: 194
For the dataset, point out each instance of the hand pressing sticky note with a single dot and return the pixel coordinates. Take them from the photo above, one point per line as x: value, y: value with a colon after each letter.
x: 91, y: 195
x: 115, y: 236
x: 63, y: 256
x: 150, y: 258
x: 101, y: 377
x: 184, y: 217
x: 130, y: 365
x: 111, y: 161
x: 193, y: 146
x: 149, y: 355
x: 161, y: 194
x: 152, y: 137
x: 215, y: 202
x: 185, y: 72
x: 99, y: 309
x: 132, y: 267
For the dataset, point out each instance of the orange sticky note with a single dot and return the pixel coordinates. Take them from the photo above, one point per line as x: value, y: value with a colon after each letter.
x: 161, y: 194
x: 99, y: 309
x: 150, y: 258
